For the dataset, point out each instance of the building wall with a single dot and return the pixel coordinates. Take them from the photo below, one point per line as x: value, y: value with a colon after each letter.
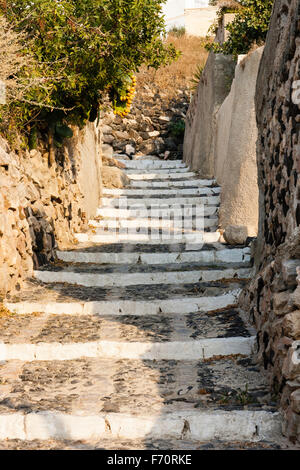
x: 200, y: 130
x: 235, y: 149
x: 199, y: 20
x: 189, y: 13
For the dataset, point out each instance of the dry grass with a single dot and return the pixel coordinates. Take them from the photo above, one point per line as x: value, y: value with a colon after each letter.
x: 178, y: 75
x: 4, y: 312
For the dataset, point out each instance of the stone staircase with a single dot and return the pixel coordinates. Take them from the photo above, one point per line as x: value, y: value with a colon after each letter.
x: 133, y: 339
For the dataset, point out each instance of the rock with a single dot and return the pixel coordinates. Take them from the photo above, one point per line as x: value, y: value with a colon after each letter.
x: 106, y: 129
x: 164, y: 118
x: 107, y: 151
x: 122, y: 156
x: 108, y: 139
x: 291, y: 364
x: 154, y: 134
x: 289, y: 271
x: 121, y: 135
x: 281, y: 302
x: 159, y: 145
x: 129, y: 149
x: 134, y: 135
x: 113, y: 177
x: 291, y: 324
x: 295, y: 401
x: 112, y: 162
x: 295, y: 297
x: 236, y: 234
x: 148, y: 147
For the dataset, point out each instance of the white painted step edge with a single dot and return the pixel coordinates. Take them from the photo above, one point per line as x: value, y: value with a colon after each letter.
x: 197, y: 350
x: 143, y: 223
x: 212, y: 256
x: 162, y: 192
x: 119, y: 279
x: 125, y: 202
x: 128, y: 307
x: 153, y: 164
x: 160, y: 176
x: 189, y: 240
x: 251, y: 426
x: 156, y: 212
x: 172, y: 184
x: 157, y: 170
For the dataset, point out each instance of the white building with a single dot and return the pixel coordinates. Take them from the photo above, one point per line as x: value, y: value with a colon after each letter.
x: 195, y: 15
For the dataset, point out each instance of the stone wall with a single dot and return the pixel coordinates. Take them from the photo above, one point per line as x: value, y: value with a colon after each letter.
x: 199, y: 140
x: 149, y: 127
x: 273, y: 297
x: 235, y: 148
x: 41, y: 206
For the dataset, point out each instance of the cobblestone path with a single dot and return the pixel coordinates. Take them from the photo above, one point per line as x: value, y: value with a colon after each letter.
x: 133, y: 339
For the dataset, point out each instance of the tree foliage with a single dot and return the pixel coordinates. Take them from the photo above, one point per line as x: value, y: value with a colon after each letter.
x: 83, y: 48
x: 249, y: 27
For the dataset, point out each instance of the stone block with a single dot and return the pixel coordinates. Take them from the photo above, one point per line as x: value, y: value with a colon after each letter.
x: 236, y: 235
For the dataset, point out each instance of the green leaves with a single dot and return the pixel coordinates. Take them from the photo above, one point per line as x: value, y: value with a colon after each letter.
x: 250, y: 26
x: 83, y: 46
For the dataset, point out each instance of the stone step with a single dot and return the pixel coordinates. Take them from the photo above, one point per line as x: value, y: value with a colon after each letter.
x: 183, y: 337
x: 94, y: 398
x: 162, y: 171
x: 136, y: 157
x: 142, y: 224
x: 173, y: 184
x: 162, y: 212
x: 162, y: 192
x: 147, y: 248
x: 62, y: 300
x: 94, y: 276
x: 204, y: 384
x: 194, y: 241
x: 152, y: 164
x: 245, y: 425
x: 155, y: 176
x: 153, y: 329
x: 238, y: 255
x: 174, y: 202
x: 154, y: 444
x: 179, y: 350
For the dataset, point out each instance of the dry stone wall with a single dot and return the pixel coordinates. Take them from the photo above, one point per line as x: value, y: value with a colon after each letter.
x: 273, y: 297
x: 152, y: 127
x: 41, y: 206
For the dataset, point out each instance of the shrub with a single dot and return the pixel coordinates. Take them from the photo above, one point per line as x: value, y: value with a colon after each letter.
x: 197, y: 77
x: 249, y: 27
x: 177, y: 128
x: 177, y: 31
x: 82, y: 49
